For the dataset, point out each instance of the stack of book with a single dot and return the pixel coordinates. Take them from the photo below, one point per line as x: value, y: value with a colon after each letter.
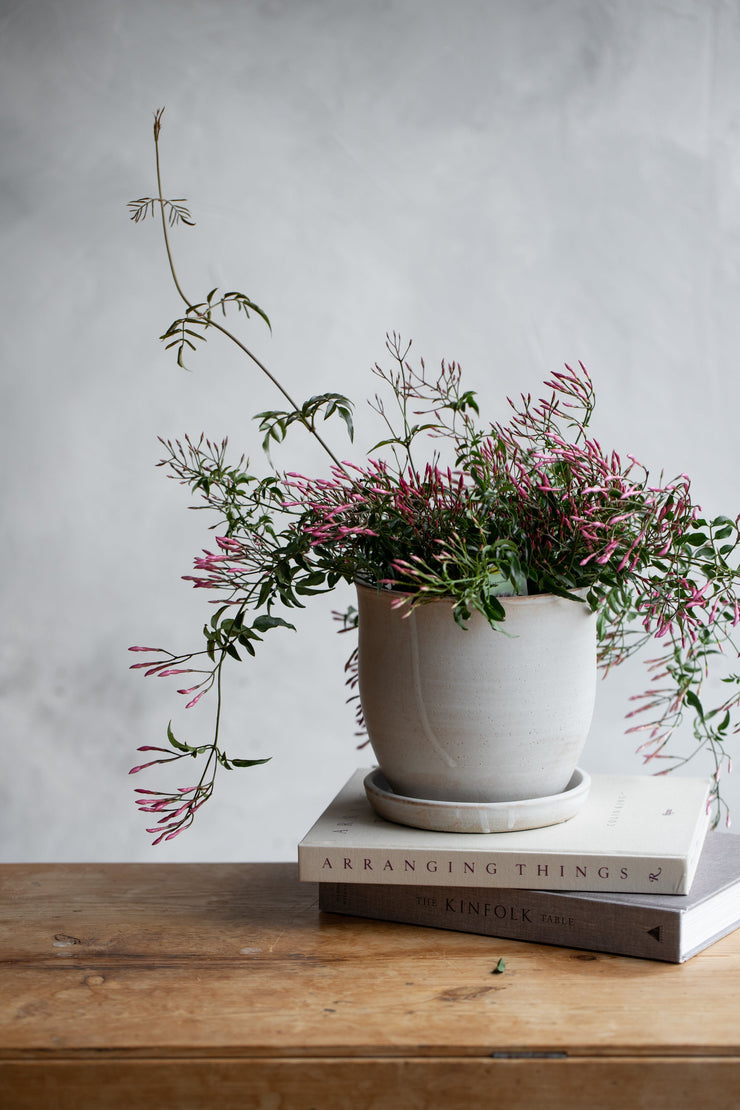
x: 635, y: 873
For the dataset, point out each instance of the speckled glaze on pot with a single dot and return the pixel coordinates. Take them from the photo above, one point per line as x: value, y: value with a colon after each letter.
x: 477, y: 715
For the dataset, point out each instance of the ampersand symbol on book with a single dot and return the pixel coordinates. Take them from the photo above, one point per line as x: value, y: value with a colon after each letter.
x: 654, y: 875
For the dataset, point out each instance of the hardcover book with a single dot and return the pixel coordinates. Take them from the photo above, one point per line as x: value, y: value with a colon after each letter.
x: 636, y: 833
x: 654, y: 926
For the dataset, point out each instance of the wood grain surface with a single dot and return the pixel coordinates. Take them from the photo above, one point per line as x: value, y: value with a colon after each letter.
x: 222, y: 984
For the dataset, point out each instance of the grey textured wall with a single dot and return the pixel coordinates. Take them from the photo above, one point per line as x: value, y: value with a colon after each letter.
x: 512, y: 184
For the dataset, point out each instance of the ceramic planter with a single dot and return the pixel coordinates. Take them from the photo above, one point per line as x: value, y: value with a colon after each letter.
x: 477, y: 715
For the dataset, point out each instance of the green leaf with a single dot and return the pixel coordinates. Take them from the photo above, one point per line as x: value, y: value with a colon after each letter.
x: 217, y: 616
x: 264, y: 622
x: 346, y: 416
x: 247, y: 635
x: 461, y: 613
x: 175, y: 742
x: 315, y: 578
x: 693, y: 701
x: 463, y: 402
x: 493, y: 608
x: 265, y: 593
x: 229, y: 764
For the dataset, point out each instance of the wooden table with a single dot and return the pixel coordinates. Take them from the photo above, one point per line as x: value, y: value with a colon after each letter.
x: 193, y: 985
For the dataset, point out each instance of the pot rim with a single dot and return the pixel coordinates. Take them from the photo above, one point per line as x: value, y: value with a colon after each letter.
x: 505, y: 599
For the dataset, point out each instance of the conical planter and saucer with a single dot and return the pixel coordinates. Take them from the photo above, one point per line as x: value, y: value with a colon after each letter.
x: 476, y: 729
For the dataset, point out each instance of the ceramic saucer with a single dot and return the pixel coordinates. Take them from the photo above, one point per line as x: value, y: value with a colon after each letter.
x: 477, y: 817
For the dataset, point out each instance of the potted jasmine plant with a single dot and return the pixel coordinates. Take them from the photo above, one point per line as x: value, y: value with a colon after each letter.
x: 497, y: 565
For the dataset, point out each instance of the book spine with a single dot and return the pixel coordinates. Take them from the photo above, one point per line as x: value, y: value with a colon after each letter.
x: 542, y: 916
x: 541, y: 871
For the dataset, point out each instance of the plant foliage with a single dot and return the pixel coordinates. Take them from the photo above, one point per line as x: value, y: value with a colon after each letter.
x: 532, y: 504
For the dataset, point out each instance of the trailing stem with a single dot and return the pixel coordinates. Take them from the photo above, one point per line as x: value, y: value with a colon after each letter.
x: 205, y: 315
